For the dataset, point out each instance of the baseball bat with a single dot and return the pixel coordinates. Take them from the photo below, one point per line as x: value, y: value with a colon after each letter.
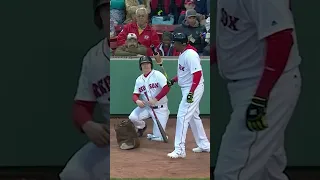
x: 158, y: 59
x: 163, y: 133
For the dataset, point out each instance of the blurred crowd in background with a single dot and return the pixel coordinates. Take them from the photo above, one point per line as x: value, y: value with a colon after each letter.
x: 138, y: 26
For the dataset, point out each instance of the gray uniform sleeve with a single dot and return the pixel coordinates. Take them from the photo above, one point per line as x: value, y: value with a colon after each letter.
x: 269, y: 16
x: 84, y: 90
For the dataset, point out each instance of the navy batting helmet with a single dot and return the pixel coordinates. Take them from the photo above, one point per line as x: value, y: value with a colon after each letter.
x: 180, y: 37
x: 97, y: 17
x: 145, y: 59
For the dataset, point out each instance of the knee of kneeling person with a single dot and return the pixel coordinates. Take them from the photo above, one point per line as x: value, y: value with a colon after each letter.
x: 133, y: 117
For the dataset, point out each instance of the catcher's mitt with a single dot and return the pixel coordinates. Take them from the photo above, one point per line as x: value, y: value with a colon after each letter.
x: 126, y: 134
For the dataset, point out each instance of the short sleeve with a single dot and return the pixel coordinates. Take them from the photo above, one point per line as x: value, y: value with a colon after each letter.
x: 136, y: 88
x: 161, y: 79
x: 193, y: 62
x: 84, y: 90
x: 270, y: 16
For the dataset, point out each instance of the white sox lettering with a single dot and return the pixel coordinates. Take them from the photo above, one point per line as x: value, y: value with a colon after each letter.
x: 228, y: 21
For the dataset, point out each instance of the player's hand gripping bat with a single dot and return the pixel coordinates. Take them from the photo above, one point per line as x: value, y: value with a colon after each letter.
x: 159, y: 60
x: 163, y: 133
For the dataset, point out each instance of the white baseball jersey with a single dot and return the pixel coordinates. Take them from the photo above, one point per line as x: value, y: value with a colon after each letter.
x: 242, y: 26
x: 188, y: 63
x: 94, y: 81
x: 152, y: 85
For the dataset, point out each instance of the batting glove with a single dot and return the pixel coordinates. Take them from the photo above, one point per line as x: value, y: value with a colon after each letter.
x: 190, y: 97
x: 170, y: 82
x: 256, y: 113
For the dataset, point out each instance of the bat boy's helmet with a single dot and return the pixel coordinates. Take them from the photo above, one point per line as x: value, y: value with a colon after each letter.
x: 145, y: 59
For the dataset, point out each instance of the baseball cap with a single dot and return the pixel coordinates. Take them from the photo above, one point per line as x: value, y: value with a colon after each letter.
x: 191, y: 12
x: 131, y: 36
x: 189, y: 2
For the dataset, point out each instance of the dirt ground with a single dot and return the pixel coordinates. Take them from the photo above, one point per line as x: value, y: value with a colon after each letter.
x: 151, y: 161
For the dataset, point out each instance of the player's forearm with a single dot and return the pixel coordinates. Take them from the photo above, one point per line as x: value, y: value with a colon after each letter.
x: 135, y: 97
x: 164, y: 91
x: 196, y: 80
x: 82, y: 112
x: 175, y: 79
x: 278, y: 50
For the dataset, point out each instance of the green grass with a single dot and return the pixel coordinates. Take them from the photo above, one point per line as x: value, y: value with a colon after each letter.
x: 160, y: 178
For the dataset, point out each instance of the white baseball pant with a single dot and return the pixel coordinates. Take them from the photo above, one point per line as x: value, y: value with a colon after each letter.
x: 138, y: 115
x: 188, y: 113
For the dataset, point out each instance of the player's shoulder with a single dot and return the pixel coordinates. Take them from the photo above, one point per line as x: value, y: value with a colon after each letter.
x: 158, y: 73
x: 191, y: 53
x: 139, y: 78
x: 96, y: 49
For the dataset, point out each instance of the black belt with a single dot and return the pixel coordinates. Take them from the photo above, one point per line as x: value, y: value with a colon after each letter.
x: 157, y: 107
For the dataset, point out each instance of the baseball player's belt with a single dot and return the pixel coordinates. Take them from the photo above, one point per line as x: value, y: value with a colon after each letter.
x: 157, y: 107
x: 126, y: 134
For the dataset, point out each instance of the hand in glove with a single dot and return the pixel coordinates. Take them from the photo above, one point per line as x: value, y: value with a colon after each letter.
x: 190, y: 97
x: 170, y: 82
x: 256, y: 113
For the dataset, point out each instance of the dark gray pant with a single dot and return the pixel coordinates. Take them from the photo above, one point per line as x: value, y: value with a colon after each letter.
x: 89, y: 163
x: 246, y: 155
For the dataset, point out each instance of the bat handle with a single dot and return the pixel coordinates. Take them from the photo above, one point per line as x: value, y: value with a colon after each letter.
x: 153, y: 50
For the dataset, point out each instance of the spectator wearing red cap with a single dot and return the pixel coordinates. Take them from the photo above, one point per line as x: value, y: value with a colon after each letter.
x: 190, y: 4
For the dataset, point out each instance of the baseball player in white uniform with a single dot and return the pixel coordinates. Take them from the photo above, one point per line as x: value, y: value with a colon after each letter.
x: 257, y: 54
x: 190, y: 79
x: 92, y: 162
x: 152, y: 85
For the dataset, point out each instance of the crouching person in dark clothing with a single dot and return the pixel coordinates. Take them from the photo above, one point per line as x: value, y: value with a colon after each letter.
x: 166, y: 48
x: 194, y: 30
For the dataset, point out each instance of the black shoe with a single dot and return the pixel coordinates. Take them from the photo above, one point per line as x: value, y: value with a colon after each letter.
x: 141, y: 131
